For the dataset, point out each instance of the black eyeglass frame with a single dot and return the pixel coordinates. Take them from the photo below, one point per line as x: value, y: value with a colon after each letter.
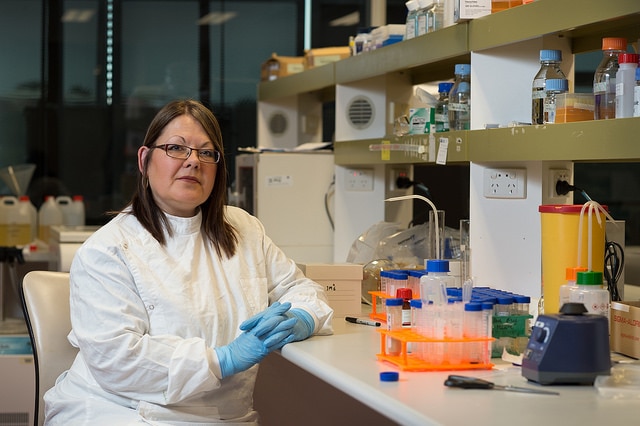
x: 215, y: 159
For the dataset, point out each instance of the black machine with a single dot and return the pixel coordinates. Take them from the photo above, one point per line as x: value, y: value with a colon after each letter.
x: 568, y: 348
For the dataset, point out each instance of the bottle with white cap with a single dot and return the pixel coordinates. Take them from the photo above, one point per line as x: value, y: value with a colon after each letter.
x: 28, y: 209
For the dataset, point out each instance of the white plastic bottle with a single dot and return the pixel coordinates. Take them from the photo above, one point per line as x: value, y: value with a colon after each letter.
x: 411, y: 23
x: 77, y: 215
x: 591, y: 293
x: 15, y: 224
x: 625, y: 84
x: 49, y: 215
x: 460, y: 99
x: 27, y: 208
x: 565, y: 289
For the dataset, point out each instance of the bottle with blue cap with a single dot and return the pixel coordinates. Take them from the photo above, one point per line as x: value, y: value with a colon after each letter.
x: 442, y: 107
x: 460, y: 99
x: 550, y: 60
x: 555, y: 87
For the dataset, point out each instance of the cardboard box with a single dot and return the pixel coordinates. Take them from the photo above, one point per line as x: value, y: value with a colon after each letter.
x: 625, y: 328
x: 463, y: 10
x: 325, y: 55
x: 281, y: 66
x: 342, y: 283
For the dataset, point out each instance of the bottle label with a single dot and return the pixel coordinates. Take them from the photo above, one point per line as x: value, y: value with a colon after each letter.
x: 636, y: 101
x: 459, y: 107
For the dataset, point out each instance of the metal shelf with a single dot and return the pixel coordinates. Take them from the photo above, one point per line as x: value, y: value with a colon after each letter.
x: 585, y: 21
x: 586, y: 141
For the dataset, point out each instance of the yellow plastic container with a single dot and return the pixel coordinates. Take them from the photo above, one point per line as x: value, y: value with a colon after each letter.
x: 560, y: 233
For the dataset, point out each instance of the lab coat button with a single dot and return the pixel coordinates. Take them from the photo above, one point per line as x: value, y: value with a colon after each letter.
x: 150, y: 307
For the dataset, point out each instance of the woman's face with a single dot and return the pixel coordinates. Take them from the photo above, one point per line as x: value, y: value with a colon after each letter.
x: 179, y: 186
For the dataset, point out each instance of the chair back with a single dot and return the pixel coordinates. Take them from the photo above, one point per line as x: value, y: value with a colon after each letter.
x: 45, y: 296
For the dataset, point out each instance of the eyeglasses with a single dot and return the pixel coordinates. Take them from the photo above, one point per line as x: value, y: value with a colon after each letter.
x: 182, y: 152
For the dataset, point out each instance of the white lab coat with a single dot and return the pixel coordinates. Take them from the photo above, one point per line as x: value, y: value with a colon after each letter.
x: 146, y: 319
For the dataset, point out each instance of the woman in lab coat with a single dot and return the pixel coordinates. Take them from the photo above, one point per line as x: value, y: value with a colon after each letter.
x: 178, y: 297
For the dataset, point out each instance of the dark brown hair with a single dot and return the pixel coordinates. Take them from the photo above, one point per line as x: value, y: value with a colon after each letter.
x: 215, y: 226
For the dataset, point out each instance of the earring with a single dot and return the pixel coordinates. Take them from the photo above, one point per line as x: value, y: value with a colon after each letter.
x: 145, y: 182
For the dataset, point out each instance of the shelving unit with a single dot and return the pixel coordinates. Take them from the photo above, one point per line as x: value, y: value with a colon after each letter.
x: 503, y: 51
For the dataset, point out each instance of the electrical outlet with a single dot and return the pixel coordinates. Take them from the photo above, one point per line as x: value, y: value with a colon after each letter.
x: 505, y: 183
x: 359, y: 180
x: 394, y: 174
x: 556, y: 175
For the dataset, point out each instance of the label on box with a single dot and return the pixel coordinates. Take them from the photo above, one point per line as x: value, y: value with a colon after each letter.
x: 421, y: 120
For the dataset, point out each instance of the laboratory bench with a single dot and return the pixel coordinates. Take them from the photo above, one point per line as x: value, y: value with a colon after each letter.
x: 335, y: 380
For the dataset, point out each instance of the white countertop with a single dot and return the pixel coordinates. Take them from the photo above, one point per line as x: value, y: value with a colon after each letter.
x: 347, y: 360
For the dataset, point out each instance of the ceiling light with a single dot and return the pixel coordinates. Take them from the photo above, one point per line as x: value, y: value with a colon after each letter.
x: 216, y: 18
x: 346, y: 20
x: 78, y: 15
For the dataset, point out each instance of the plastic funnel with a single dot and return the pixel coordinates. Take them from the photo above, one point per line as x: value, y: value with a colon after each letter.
x: 18, y: 177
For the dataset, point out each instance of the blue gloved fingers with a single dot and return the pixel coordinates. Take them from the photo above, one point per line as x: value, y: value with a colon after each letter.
x: 275, y: 309
x: 305, y: 325
x: 268, y: 325
x: 278, y: 340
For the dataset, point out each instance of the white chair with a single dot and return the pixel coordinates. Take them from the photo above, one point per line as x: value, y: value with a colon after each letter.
x: 45, y: 295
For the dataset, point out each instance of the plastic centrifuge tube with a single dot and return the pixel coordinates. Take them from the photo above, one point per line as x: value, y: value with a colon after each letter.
x: 394, y: 323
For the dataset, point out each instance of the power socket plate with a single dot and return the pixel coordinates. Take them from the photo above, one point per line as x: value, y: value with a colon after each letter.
x: 359, y: 180
x: 505, y: 183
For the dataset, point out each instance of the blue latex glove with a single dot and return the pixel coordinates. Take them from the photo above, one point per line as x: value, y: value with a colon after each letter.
x: 275, y: 309
x: 269, y: 332
x: 304, y: 325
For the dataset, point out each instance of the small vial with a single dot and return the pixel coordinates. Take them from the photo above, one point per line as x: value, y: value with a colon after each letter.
x: 487, y: 323
x: 504, y: 306
x: 394, y: 323
x: 404, y: 293
x: 473, y: 329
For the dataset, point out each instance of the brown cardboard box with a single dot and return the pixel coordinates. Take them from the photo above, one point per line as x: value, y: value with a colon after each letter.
x: 625, y: 328
x: 281, y: 66
x: 325, y: 55
x: 342, y: 283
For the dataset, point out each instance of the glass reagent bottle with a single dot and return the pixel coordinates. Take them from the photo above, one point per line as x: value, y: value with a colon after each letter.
x: 550, y: 61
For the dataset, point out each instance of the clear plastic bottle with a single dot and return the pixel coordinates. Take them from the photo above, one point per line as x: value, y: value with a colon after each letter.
x: 636, y: 95
x: 591, y: 293
x: 604, y: 79
x: 460, y: 99
x: 437, y: 13
x: 625, y: 84
x: 550, y: 61
x: 422, y: 21
x: 411, y: 23
x: 555, y: 86
x: 442, y: 107
x: 78, y: 213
